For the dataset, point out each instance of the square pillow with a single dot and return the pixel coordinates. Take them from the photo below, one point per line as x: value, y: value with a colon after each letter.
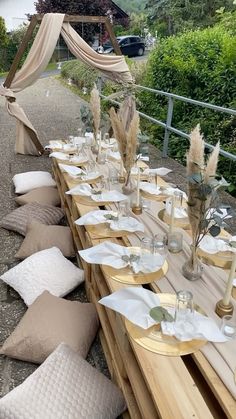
x: 25, y: 182
x: 47, y: 195
x: 46, y: 270
x: 40, y: 236
x: 65, y: 386
x: 48, y: 322
x: 18, y: 219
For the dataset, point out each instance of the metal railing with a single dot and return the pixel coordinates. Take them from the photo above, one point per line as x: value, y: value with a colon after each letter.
x: 167, y: 125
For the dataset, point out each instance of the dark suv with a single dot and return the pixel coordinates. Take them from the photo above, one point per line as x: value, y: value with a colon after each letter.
x: 130, y: 45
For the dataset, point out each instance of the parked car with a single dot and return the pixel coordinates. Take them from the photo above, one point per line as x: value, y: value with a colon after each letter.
x: 130, y: 45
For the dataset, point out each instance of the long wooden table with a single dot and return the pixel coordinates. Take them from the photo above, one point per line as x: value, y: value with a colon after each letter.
x: 153, y: 385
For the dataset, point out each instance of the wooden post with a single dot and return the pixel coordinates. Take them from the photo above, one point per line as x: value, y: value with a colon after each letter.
x: 112, y: 37
x: 20, y: 52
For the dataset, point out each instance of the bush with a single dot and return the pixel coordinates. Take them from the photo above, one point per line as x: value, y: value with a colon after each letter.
x: 199, y: 65
x: 81, y: 74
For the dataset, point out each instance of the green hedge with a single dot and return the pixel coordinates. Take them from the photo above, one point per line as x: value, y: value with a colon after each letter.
x: 81, y: 74
x: 200, y: 65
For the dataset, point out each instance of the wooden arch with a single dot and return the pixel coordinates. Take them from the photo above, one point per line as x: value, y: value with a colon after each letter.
x: 67, y: 18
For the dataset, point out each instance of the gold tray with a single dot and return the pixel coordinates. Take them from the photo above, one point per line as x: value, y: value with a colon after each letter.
x: 103, y: 230
x: 126, y: 275
x: 153, y: 340
x: 178, y: 222
x: 220, y: 259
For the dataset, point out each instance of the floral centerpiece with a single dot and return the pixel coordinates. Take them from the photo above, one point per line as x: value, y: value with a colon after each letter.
x: 203, y: 208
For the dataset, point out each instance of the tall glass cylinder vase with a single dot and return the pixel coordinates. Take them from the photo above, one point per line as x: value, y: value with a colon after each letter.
x: 192, y: 269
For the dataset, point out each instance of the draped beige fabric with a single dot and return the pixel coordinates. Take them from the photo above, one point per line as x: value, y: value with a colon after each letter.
x: 38, y: 58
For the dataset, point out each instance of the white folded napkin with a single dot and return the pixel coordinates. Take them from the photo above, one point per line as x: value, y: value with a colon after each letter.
x: 79, y: 140
x: 90, y: 176
x: 170, y: 191
x: 108, y: 253
x: 69, y: 147
x: 179, y: 212
x: 144, y: 158
x: 213, y: 211
x: 58, y: 155
x: 150, y: 188
x: 71, y: 170
x: 126, y: 224
x: 234, y: 282
x: 106, y: 145
x: 113, y: 154
x: 78, y: 159
x: 160, y: 171
x: 214, y: 245
x: 109, y: 196
x: 95, y: 217
x: 83, y: 189
x: 135, y: 304
x: 196, y: 327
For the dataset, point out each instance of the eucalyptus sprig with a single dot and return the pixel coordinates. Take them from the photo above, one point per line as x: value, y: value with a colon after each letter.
x: 130, y: 259
x: 111, y: 217
x: 160, y: 314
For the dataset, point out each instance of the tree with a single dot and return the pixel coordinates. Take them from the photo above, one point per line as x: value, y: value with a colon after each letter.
x: 3, y: 33
x: 79, y: 7
x: 179, y: 15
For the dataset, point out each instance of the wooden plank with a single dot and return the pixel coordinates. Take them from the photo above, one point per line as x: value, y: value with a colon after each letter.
x: 78, y: 18
x: 114, y: 42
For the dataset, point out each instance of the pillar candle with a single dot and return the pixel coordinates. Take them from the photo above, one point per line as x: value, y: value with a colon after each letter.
x: 172, y: 215
x: 226, y: 299
x: 138, y: 190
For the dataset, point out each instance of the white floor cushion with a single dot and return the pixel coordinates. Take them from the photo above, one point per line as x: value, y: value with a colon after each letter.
x: 45, y: 270
x: 25, y: 182
x: 65, y: 386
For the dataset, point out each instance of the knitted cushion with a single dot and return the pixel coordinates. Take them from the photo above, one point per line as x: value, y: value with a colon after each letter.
x: 65, y: 386
x: 18, y: 219
x: 40, y: 237
x: 48, y: 322
x: 47, y: 195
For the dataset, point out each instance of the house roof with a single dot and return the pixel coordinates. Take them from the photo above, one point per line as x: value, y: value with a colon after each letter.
x: 120, y: 13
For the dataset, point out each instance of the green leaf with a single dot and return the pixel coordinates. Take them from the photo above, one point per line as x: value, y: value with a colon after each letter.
x: 160, y: 313
x: 214, y: 231
x: 232, y: 243
x: 195, y: 178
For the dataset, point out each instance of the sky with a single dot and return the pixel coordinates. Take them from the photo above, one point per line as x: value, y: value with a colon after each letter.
x: 13, y: 11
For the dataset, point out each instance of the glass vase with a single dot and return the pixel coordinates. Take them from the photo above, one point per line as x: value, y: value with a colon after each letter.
x: 192, y: 269
x: 128, y: 188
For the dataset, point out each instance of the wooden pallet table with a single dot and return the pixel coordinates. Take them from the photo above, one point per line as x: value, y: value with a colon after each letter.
x: 153, y: 385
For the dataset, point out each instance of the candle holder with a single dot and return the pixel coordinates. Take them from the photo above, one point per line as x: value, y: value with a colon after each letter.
x: 121, y: 179
x: 222, y: 309
x: 137, y: 209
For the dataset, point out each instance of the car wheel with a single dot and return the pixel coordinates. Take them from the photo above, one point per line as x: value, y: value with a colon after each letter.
x: 140, y: 52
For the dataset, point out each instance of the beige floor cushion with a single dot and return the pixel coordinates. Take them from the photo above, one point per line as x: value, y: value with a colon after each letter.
x: 65, y: 386
x: 45, y: 270
x: 48, y: 322
x: 18, y: 219
x: 47, y: 195
x: 25, y: 182
x: 40, y: 236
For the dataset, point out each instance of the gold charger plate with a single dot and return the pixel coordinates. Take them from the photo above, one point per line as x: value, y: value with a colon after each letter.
x: 153, y: 340
x: 86, y: 200
x: 127, y: 276
x: 103, y: 230
x: 220, y: 259
x: 178, y: 222
x: 153, y: 197
x: 71, y: 163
